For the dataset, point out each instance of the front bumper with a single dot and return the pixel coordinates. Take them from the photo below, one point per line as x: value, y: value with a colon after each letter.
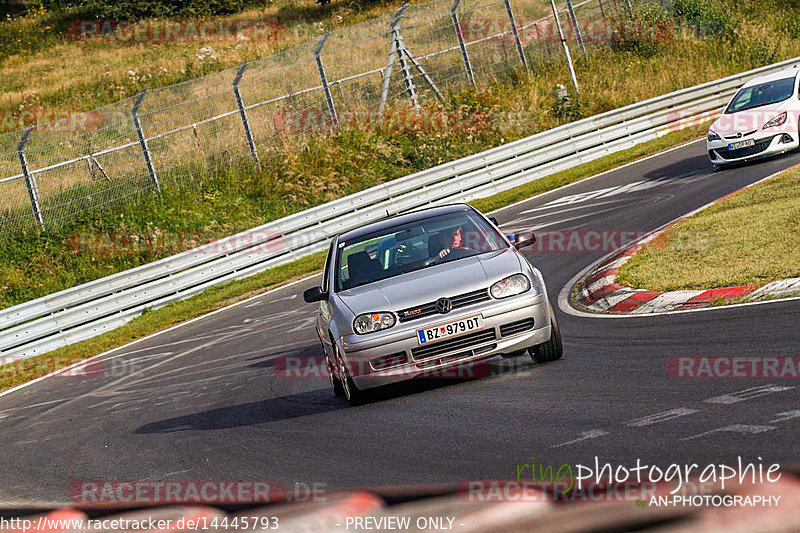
x: 765, y: 145
x: 507, y: 328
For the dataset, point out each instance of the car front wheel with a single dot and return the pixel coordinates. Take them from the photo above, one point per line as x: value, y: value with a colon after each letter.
x: 552, y: 350
x: 354, y: 395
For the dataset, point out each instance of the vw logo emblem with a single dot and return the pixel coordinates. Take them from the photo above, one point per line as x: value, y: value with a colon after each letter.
x: 444, y: 305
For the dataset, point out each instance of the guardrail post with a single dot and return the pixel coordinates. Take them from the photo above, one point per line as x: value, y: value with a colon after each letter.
x: 30, y: 181
x: 514, y: 30
x: 564, y: 44
x: 143, y: 141
x: 324, y: 79
x: 460, y: 35
x: 575, y: 26
x: 251, y: 144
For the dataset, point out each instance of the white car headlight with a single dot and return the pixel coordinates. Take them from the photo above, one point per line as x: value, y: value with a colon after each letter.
x: 713, y: 136
x: 369, y: 322
x: 775, y: 122
x: 511, y: 286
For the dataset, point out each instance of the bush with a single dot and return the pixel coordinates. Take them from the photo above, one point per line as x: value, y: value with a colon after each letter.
x: 645, y: 34
x: 706, y: 19
x: 145, y: 9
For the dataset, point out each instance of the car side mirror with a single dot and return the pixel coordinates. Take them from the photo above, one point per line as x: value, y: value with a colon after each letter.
x: 521, y: 240
x: 494, y: 221
x: 314, y: 294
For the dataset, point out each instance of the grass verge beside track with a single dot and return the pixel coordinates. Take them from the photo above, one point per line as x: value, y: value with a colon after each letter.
x: 218, y: 297
x: 753, y: 237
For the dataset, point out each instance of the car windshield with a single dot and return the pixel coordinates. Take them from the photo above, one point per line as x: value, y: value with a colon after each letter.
x: 412, y: 246
x: 762, y: 94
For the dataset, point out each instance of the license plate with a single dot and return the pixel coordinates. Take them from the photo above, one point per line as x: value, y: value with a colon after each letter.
x: 449, y: 329
x: 741, y: 144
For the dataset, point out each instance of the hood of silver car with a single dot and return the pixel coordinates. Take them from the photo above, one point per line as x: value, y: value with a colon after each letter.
x: 429, y: 284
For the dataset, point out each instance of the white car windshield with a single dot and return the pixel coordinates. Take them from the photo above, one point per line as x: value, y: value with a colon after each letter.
x: 409, y: 247
x: 762, y: 94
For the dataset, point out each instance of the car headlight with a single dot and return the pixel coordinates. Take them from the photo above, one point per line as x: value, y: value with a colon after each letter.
x: 775, y: 122
x: 511, y: 286
x: 712, y: 136
x: 369, y: 322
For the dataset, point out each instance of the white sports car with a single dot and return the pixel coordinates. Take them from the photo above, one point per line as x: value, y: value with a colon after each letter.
x: 760, y: 120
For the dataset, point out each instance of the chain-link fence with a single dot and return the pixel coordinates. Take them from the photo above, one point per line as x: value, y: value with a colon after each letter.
x: 354, y: 76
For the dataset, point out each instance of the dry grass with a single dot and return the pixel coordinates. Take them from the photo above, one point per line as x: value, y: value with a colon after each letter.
x: 751, y: 238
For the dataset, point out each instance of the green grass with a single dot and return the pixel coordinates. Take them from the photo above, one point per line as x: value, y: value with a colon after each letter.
x: 218, y: 297
x: 751, y: 238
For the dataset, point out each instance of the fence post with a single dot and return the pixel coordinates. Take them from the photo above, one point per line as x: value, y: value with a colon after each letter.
x: 30, y: 181
x: 511, y: 20
x: 602, y: 10
x: 575, y: 26
x: 251, y: 144
x: 325, y: 89
x: 387, y: 77
x: 460, y: 35
x: 399, y: 49
x: 143, y: 141
x: 629, y: 7
x: 564, y: 44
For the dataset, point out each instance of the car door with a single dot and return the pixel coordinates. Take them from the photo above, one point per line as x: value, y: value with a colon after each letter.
x: 325, y: 312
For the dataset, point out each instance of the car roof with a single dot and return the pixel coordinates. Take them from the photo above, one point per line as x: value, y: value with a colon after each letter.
x: 781, y: 74
x: 398, y: 220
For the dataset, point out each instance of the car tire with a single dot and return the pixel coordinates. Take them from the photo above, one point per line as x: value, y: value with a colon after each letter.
x: 553, y: 349
x: 336, y: 385
x: 350, y: 391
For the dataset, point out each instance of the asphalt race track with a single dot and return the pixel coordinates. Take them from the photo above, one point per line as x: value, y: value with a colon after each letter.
x: 203, y: 401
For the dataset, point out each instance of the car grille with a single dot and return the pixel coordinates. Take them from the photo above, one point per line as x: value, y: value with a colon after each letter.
x: 464, y: 342
x: 737, y: 136
x: 428, y: 309
x: 506, y: 330
x: 757, y: 148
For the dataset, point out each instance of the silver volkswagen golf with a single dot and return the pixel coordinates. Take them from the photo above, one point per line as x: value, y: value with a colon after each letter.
x: 419, y: 293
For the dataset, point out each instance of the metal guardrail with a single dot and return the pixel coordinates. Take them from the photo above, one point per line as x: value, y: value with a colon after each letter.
x: 82, y: 312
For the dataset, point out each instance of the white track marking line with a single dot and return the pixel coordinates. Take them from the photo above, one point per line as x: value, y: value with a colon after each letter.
x: 657, y: 418
x: 747, y: 394
x: 735, y: 428
x: 584, y: 435
x: 786, y: 415
x: 626, y: 165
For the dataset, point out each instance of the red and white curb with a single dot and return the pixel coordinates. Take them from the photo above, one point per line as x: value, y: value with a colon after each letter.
x: 599, y: 292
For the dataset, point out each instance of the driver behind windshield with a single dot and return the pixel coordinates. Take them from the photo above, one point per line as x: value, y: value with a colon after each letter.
x: 449, y: 241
